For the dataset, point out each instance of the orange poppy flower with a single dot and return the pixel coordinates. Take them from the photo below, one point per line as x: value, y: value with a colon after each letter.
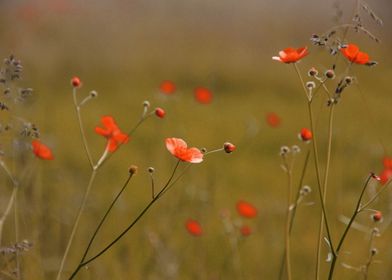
x: 42, y: 151
x: 193, y: 227
x: 352, y: 53
x: 246, y: 209
x: 178, y: 148
x: 167, y: 87
x: 291, y: 55
x: 203, y: 95
x: 385, y: 175
x: 305, y: 134
x: 111, y: 132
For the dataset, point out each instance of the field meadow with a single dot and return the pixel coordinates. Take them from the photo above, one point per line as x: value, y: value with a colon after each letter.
x: 124, y: 50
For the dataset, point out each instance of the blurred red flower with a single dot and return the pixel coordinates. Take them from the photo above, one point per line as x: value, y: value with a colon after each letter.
x: 193, y: 227
x: 387, y: 162
x: 352, y: 53
x: 111, y: 132
x: 246, y: 209
x: 291, y: 55
x: 245, y: 230
x: 180, y: 150
x: 385, y: 175
x: 273, y: 120
x: 42, y: 151
x: 203, y: 95
x: 160, y: 113
x: 167, y: 87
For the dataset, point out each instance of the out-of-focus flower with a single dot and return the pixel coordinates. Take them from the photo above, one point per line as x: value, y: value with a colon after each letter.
x: 291, y: 55
x: 272, y: 119
x: 178, y: 148
x: 246, y: 209
x: 385, y: 175
x: 167, y: 87
x: 41, y: 151
x: 377, y: 216
x: 203, y: 95
x: 245, y: 230
x: 112, y: 133
x: 353, y: 54
x: 193, y: 227
x: 387, y: 162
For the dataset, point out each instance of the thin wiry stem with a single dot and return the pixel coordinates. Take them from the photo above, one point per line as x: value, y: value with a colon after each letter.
x: 169, y: 182
x: 81, y: 127
x: 354, y: 215
x: 288, y: 222
x: 105, y: 216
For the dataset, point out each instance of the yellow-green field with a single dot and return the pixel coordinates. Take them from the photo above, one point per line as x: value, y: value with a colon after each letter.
x: 124, y: 50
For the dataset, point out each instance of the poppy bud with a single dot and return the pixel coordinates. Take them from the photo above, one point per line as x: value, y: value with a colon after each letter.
x: 305, y: 134
x: 93, y: 93
x: 228, y: 147
x: 75, y: 82
x: 151, y: 170
x: 146, y: 104
x: 160, y: 113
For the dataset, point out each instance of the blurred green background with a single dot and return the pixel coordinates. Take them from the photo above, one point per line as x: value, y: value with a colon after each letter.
x: 124, y: 50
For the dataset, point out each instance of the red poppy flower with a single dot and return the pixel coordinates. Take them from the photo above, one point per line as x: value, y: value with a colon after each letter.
x: 245, y: 230
x: 385, y: 175
x: 111, y: 132
x: 273, y: 120
x: 203, y: 95
x: 42, y: 151
x: 246, y: 209
x: 352, y: 53
x: 180, y: 150
x: 305, y: 134
x: 387, y: 162
x: 160, y: 113
x: 291, y: 55
x: 167, y: 87
x: 193, y: 227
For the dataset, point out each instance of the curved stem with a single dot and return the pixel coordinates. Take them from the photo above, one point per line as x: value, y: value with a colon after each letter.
x: 76, y: 223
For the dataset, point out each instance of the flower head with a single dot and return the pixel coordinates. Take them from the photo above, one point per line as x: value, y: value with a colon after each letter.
x: 111, y: 132
x: 246, y: 209
x: 193, y: 227
x: 167, y: 87
x: 75, y: 82
x: 203, y: 95
x: 178, y: 148
x: 42, y: 151
x: 352, y: 53
x: 160, y: 113
x: 291, y: 55
x: 228, y: 147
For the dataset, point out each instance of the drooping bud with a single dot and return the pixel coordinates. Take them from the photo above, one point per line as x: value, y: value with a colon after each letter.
x: 228, y: 147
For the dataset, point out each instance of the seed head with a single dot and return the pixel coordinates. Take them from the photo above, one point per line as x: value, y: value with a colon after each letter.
x: 133, y: 169
x: 146, y: 104
x: 312, y: 72
x: 151, y: 170
x: 284, y: 150
x: 93, y: 93
x: 330, y: 74
x: 310, y: 85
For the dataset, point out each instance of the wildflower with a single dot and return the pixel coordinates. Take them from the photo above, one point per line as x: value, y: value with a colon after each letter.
x: 160, y: 113
x: 228, y: 147
x: 291, y: 55
x: 42, y: 151
x: 193, y: 227
x: 111, y: 132
x: 245, y: 230
x: 178, y: 148
x: 167, y: 87
x: 305, y: 134
x: 272, y: 119
x: 203, y: 95
x: 387, y: 162
x: 352, y: 53
x: 75, y: 82
x: 246, y: 209
x: 377, y: 216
